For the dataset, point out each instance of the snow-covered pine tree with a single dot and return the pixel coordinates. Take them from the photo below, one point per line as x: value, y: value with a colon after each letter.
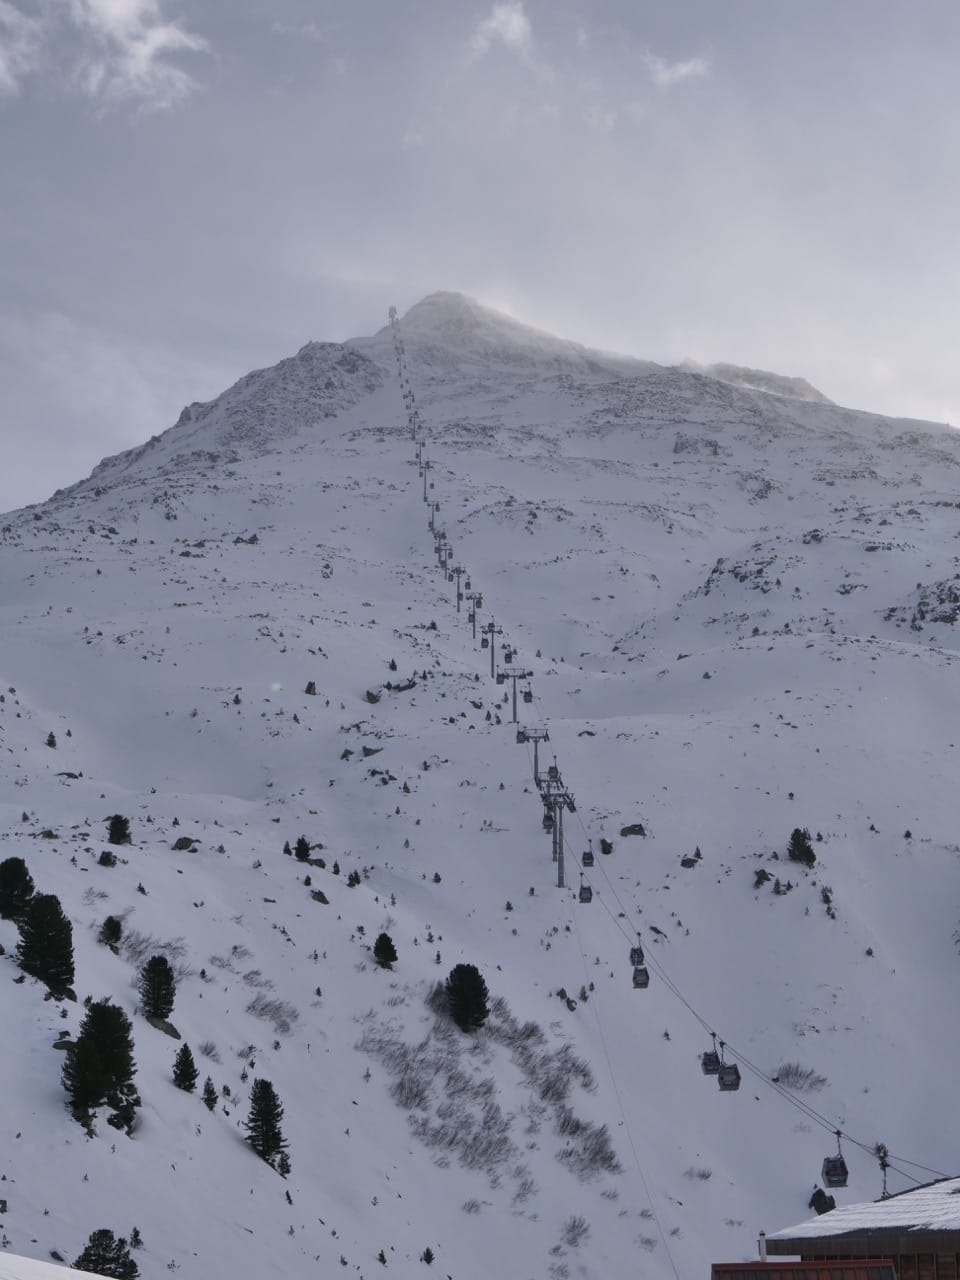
x: 16, y: 888
x: 185, y: 1070
x: 466, y: 994
x: 45, y: 949
x: 263, y: 1122
x: 107, y: 1255
x: 158, y: 988
x: 99, y: 1066
x: 119, y: 832
x: 384, y: 952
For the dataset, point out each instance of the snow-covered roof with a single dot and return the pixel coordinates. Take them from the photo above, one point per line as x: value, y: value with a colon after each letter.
x: 13, y: 1267
x: 934, y: 1207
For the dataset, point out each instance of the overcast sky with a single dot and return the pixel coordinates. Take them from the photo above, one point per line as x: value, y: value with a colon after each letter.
x: 190, y: 190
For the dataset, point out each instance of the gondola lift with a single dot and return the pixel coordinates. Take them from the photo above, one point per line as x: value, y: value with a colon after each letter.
x: 641, y: 977
x: 636, y: 953
x: 728, y: 1077
x: 834, y: 1172
x: 528, y: 695
x: 586, y: 858
x: 586, y: 893
x: 710, y: 1061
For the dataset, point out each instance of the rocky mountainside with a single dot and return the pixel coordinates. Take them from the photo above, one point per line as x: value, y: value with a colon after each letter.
x: 735, y: 607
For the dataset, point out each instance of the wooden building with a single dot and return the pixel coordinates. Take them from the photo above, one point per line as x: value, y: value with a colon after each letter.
x: 917, y: 1230
x: 855, y: 1269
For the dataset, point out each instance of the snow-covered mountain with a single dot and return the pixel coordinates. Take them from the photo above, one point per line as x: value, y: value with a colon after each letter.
x: 737, y: 602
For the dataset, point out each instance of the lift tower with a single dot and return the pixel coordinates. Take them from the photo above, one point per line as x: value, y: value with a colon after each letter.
x: 486, y: 641
x: 536, y: 736
x: 556, y: 799
x: 514, y: 676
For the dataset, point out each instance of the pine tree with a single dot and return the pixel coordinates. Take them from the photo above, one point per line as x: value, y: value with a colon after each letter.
x: 84, y: 1077
x: 209, y: 1094
x: 800, y: 849
x: 185, y: 1070
x: 107, y: 1255
x: 16, y: 888
x: 263, y: 1122
x: 158, y: 988
x: 119, y: 832
x: 384, y: 952
x: 111, y: 931
x: 45, y: 950
x: 99, y: 1066
x: 301, y: 850
x: 466, y: 994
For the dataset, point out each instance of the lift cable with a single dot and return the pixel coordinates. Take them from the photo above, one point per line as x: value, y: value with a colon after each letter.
x: 623, y: 1117
x: 798, y: 1103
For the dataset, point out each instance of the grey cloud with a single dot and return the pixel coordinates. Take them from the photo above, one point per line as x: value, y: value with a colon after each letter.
x: 107, y: 50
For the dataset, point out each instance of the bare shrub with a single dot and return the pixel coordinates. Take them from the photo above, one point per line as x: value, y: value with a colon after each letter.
x: 254, y: 978
x: 526, y: 1186
x: 137, y: 947
x: 280, y: 1012
x: 410, y: 1090
x: 209, y: 1050
x: 591, y: 1153
x: 703, y: 1174
x: 799, y: 1078
x: 436, y: 998
x: 575, y: 1231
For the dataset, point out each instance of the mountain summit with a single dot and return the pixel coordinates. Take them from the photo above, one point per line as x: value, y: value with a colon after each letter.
x: 454, y: 323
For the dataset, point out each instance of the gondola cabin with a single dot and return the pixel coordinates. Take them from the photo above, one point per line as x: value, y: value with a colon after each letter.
x: 636, y: 954
x: 548, y: 821
x: 586, y: 858
x: 501, y: 678
x: 834, y: 1171
x: 728, y: 1077
x: 710, y: 1062
x: 528, y: 695
x: 484, y: 642
x: 641, y: 976
x: 586, y: 893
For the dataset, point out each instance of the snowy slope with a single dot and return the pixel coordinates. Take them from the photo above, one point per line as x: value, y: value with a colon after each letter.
x: 738, y: 607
